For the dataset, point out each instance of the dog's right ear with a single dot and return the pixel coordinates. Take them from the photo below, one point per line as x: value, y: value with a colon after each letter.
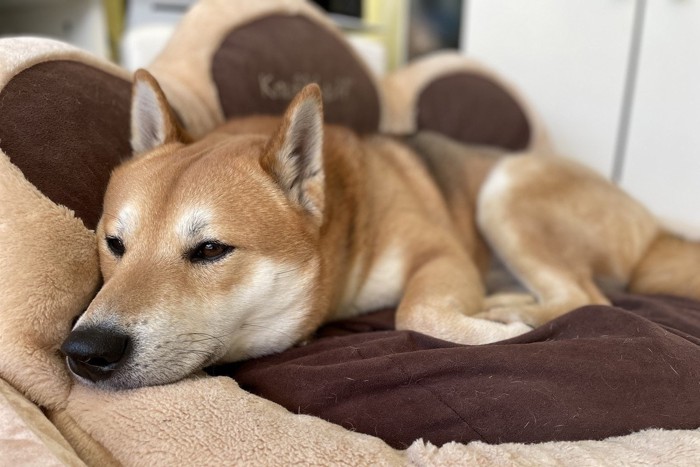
x: 153, y: 122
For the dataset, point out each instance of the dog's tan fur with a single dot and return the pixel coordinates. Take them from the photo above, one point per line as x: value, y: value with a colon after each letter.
x: 327, y: 225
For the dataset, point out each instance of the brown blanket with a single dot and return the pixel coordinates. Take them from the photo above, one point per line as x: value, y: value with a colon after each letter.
x: 596, y: 372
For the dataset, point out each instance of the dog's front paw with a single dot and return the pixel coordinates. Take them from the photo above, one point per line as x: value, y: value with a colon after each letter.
x: 511, y: 308
x: 502, y: 315
x: 509, y: 330
x: 480, y: 331
x: 533, y: 315
x: 508, y: 300
x: 458, y: 328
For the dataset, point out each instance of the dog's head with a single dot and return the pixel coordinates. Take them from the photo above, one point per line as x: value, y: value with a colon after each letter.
x: 209, y: 251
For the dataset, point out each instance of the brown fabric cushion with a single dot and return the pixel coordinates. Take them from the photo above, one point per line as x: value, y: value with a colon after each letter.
x: 472, y: 109
x: 595, y: 372
x: 259, y: 68
x: 66, y: 125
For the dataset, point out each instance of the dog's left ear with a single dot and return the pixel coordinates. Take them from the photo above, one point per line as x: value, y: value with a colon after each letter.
x: 153, y: 122
x: 294, y: 155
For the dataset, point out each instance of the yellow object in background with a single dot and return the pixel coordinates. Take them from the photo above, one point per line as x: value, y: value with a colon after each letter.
x: 391, y: 17
x: 115, y: 11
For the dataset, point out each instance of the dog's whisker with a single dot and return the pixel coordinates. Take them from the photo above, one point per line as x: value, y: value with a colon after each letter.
x: 301, y: 266
x: 288, y: 271
x: 190, y: 352
x: 206, y: 337
x: 110, y: 215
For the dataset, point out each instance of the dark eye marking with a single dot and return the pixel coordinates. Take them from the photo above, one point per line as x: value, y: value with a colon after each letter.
x: 116, y: 246
x: 209, y: 251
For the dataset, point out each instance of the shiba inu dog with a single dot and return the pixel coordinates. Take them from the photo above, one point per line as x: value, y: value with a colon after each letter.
x: 242, y: 243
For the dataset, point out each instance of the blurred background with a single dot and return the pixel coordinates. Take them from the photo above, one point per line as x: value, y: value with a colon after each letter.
x: 613, y: 80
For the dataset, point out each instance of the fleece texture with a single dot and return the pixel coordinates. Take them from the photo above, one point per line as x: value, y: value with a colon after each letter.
x: 49, y: 275
x: 211, y: 421
x: 679, y: 448
x: 26, y: 435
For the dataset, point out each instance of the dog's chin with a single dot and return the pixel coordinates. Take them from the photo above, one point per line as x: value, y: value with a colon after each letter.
x: 126, y: 378
x: 126, y: 381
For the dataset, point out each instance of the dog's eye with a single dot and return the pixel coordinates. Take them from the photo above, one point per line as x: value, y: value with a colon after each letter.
x: 209, y: 251
x: 116, y: 246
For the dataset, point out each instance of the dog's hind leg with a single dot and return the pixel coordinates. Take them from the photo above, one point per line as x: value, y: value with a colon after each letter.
x: 557, y: 290
x: 440, y: 295
x: 544, y: 232
x: 552, y: 265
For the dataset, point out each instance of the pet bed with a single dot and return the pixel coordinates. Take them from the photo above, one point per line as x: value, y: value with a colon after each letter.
x: 64, y: 125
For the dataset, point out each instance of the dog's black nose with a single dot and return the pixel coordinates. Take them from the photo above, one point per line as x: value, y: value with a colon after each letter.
x: 94, y: 353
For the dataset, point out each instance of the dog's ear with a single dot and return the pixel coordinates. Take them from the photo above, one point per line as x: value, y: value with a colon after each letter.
x: 294, y: 155
x: 153, y: 122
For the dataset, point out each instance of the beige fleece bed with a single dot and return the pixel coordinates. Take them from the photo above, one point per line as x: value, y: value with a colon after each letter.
x: 64, y: 125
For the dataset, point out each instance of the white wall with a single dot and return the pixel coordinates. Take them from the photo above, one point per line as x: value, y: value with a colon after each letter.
x: 570, y: 60
x: 662, y: 160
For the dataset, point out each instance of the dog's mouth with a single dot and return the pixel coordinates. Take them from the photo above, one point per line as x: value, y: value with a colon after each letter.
x: 90, y: 371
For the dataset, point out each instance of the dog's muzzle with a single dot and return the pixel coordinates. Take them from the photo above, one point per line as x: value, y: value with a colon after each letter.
x: 94, y: 353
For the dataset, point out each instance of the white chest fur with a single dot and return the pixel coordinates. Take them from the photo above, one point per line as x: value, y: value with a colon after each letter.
x: 384, y: 284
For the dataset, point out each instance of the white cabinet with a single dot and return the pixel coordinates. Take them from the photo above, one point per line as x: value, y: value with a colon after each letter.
x: 617, y: 83
x: 569, y: 58
x: 662, y: 160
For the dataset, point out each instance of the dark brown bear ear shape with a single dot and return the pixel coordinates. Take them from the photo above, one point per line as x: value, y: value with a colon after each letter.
x: 280, y: 54
x: 153, y: 122
x: 472, y: 108
x: 65, y: 125
x: 462, y: 99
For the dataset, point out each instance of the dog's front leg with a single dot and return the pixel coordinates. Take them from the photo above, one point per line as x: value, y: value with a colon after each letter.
x: 439, y: 298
